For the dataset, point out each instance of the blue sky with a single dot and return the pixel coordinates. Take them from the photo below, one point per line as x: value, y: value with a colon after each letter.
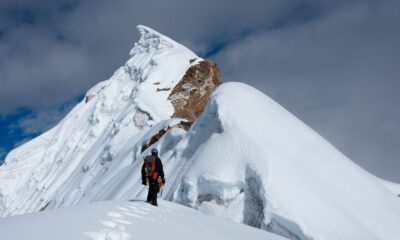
x: 9, y: 137
x: 26, y: 124
x: 333, y: 63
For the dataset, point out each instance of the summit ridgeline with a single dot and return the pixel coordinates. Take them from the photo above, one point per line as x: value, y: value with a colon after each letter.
x: 227, y: 150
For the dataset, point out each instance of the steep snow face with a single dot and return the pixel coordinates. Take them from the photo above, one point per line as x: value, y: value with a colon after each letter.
x: 101, y: 135
x: 251, y: 161
x: 121, y: 220
x: 245, y: 159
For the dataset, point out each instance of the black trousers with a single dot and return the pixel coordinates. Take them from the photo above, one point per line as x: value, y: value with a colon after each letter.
x: 153, y: 190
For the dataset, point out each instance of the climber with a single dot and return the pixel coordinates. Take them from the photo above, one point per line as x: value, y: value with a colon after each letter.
x: 153, y: 175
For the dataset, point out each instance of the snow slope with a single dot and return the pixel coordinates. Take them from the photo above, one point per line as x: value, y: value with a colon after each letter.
x: 101, y: 135
x: 252, y: 161
x: 121, y: 220
x: 245, y: 159
x: 393, y: 187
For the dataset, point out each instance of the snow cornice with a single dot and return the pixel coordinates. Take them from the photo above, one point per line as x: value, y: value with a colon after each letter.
x: 151, y: 39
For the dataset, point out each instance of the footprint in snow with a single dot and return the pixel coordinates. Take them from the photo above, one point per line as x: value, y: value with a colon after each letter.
x: 122, y: 208
x: 141, y: 212
x: 141, y: 209
x: 113, y: 229
x: 105, y: 234
x: 113, y: 225
x: 121, y: 221
x: 132, y: 215
x: 114, y: 214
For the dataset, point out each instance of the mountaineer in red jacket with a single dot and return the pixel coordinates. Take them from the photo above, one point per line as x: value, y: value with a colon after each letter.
x: 152, y: 174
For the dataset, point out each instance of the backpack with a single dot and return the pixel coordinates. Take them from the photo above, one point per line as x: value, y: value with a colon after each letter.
x: 149, y: 166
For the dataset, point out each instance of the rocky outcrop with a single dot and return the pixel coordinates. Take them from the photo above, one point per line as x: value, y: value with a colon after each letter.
x: 191, y: 94
x: 88, y: 98
x: 184, y: 125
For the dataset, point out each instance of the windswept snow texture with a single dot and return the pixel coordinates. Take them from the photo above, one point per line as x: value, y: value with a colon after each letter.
x: 244, y: 159
x: 252, y: 161
x: 88, y: 155
x: 124, y: 221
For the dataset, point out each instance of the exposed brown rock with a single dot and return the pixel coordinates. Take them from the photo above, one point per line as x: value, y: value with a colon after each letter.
x: 163, y: 89
x: 192, y: 60
x: 191, y: 94
x: 185, y: 125
x: 155, y: 138
x: 88, y: 98
x: 44, y: 207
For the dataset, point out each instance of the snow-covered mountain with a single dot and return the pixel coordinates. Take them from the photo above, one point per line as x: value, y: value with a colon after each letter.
x: 254, y: 162
x: 245, y: 158
x: 95, y: 144
x: 123, y: 220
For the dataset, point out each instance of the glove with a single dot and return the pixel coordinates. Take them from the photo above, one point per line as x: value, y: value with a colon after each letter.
x: 163, y: 180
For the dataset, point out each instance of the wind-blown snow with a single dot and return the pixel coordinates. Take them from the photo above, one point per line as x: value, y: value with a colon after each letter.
x: 121, y: 220
x: 252, y: 161
x: 246, y: 159
x: 100, y: 136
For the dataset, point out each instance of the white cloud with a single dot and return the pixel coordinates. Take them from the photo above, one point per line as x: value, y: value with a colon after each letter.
x: 49, y: 55
x: 333, y: 63
x: 41, y: 120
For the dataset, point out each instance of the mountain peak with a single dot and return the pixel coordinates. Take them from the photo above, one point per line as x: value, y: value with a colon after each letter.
x: 151, y: 39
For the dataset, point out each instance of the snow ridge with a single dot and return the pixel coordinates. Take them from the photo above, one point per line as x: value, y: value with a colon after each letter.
x: 100, y: 137
x: 151, y: 40
x: 245, y: 159
x: 126, y: 220
x: 252, y: 161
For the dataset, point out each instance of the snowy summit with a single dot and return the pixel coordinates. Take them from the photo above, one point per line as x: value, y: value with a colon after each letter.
x: 232, y: 153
